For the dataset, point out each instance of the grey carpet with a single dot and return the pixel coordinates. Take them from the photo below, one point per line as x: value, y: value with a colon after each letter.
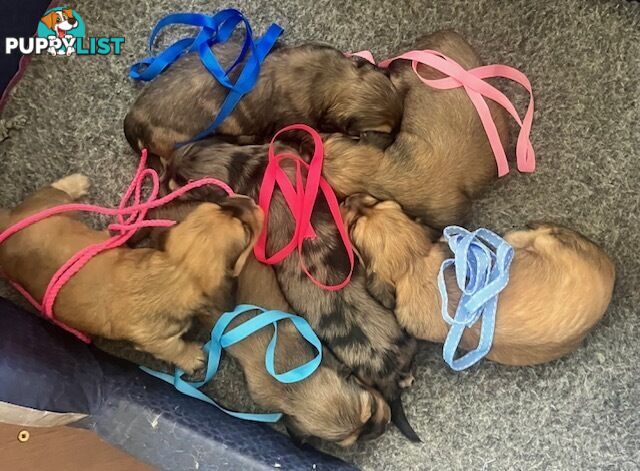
x: 582, y: 56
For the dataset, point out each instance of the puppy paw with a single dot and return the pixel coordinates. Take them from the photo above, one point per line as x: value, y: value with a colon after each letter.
x: 76, y: 185
x: 192, y: 358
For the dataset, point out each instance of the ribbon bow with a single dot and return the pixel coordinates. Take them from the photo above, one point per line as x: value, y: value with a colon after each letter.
x: 473, y: 82
x: 131, y: 216
x: 221, y: 339
x: 215, y: 29
x: 482, y: 260
x: 301, y: 201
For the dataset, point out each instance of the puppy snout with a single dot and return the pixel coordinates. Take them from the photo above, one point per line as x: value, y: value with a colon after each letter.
x: 72, y: 21
x: 379, y: 421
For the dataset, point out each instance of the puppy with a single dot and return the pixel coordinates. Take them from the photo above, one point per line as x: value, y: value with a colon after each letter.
x: 145, y: 296
x: 441, y: 158
x: 362, y: 333
x: 312, y: 84
x: 330, y: 404
x: 560, y: 283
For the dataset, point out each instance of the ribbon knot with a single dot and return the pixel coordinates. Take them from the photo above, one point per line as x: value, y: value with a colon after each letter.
x: 473, y: 82
x: 131, y: 216
x: 222, y: 339
x: 301, y: 201
x: 214, y: 29
x: 481, y: 260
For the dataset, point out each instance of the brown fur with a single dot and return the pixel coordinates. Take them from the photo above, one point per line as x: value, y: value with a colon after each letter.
x: 312, y: 84
x: 145, y: 296
x: 440, y: 160
x: 560, y: 283
x: 362, y: 333
x: 330, y: 404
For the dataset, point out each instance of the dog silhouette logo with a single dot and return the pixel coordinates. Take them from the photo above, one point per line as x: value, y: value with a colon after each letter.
x: 62, y: 27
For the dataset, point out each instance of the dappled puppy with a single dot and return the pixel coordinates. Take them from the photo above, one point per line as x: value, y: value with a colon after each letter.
x: 441, y: 159
x: 146, y: 296
x: 311, y: 84
x: 560, y: 283
x: 330, y: 404
x: 363, y: 334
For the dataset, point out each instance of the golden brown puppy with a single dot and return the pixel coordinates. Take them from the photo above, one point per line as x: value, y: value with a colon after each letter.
x: 440, y: 160
x: 145, y: 296
x: 331, y: 404
x: 311, y: 84
x: 560, y: 283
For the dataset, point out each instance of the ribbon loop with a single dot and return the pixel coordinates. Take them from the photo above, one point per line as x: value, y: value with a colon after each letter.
x: 222, y: 339
x: 300, y: 201
x: 482, y: 260
x: 473, y: 82
x: 215, y: 29
x: 131, y: 215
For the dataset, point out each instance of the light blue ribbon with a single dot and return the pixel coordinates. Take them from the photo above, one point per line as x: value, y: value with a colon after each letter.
x: 482, y: 260
x: 220, y: 339
x: 215, y: 29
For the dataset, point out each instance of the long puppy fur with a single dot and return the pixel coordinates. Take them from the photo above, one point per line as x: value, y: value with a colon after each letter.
x: 148, y: 297
x: 359, y: 331
x: 560, y: 283
x: 440, y: 160
x: 312, y: 84
x: 330, y: 404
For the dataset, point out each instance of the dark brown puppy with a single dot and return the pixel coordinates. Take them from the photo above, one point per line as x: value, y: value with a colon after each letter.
x: 361, y: 332
x: 148, y: 297
x: 311, y: 84
x: 440, y: 160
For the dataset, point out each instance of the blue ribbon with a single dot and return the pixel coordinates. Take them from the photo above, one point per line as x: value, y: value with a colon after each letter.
x: 220, y: 339
x: 482, y: 260
x: 215, y: 29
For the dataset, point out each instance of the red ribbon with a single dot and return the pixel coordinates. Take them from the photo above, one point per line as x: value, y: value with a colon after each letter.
x: 300, y: 201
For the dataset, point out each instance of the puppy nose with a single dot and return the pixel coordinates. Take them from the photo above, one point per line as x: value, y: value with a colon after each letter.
x: 72, y: 21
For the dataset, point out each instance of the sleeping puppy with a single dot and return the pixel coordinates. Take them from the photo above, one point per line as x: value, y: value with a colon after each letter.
x: 560, y: 283
x: 145, y: 296
x: 330, y: 404
x: 362, y: 333
x: 311, y: 84
x: 441, y: 158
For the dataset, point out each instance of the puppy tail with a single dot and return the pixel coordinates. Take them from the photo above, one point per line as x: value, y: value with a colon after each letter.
x: 399, y: 418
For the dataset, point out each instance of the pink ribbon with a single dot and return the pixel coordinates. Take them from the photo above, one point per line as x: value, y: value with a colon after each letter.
x: 300, y: 201
x: 474, y: 84
x: 130, y: 218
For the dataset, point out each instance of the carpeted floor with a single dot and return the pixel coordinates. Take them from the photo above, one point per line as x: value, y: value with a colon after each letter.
x: 583, y: 58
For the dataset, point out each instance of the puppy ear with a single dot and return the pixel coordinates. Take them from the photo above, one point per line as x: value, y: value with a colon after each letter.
x: 244, y: 209
x: 383, y: 291
x: 68, y: 13
x: 49, y: 20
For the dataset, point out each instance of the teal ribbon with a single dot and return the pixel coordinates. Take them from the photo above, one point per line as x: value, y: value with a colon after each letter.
x: 482, y: 260
x: 221, y: 339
